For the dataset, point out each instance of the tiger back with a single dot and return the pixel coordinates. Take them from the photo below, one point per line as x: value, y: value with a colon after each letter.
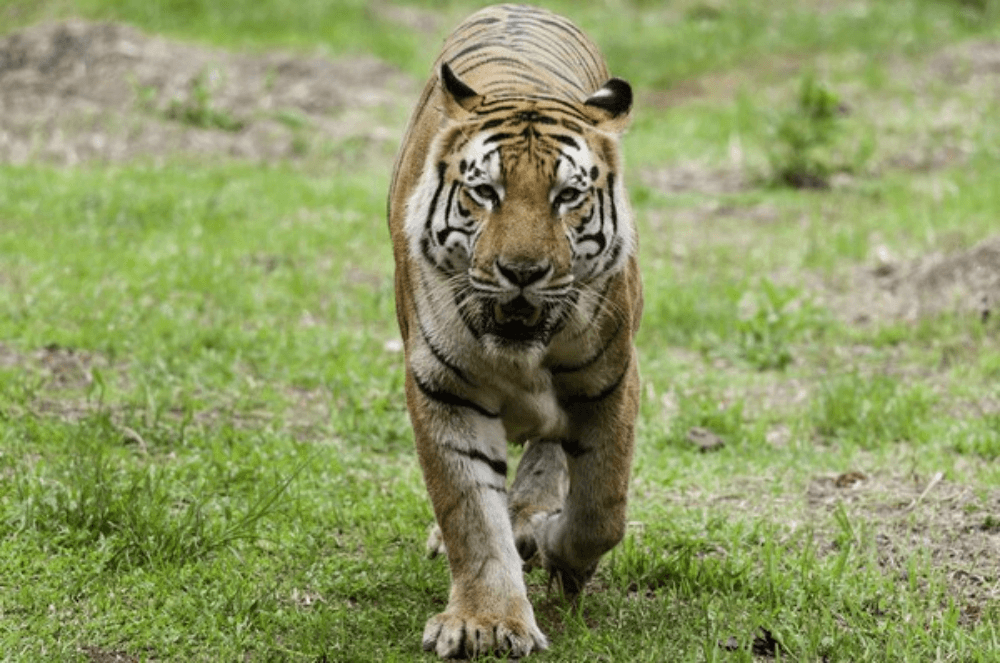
x: 518, y: 296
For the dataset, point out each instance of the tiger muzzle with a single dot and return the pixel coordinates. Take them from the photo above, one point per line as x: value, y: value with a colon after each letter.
x: 518, y: 321
x: 517, y: 311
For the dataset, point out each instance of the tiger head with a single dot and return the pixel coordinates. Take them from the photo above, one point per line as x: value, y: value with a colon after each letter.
x: 522, y: 208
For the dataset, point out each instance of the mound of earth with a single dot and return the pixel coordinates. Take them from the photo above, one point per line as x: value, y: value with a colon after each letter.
x: 77, y: 91
x: 964, y: 282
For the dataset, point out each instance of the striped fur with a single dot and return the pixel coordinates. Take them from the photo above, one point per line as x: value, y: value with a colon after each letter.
x: 518, y: 296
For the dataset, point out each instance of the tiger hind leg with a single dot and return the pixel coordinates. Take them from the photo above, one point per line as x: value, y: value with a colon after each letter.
x: 538, y: 492
x: 593, y: 516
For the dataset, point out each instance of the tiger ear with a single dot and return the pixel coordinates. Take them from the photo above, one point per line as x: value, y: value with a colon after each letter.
x: 611, y: 106
x: 460, y: 99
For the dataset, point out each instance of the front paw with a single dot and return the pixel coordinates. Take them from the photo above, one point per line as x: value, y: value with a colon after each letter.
x: 454, y: 634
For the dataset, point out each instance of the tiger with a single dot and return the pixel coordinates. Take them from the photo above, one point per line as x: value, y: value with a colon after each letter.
x: 518, y: 297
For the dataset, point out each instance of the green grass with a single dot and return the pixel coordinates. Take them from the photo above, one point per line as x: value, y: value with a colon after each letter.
x: 204, y: 452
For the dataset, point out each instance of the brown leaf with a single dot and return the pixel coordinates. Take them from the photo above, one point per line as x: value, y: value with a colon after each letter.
x: 849, y: 479
x: 705, y: 439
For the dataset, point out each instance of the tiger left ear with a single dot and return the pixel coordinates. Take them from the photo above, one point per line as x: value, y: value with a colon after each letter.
x: 610, y: 107
x: 459, y: 97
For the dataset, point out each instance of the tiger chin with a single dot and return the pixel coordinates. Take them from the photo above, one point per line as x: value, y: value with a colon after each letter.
x: 518, y: 297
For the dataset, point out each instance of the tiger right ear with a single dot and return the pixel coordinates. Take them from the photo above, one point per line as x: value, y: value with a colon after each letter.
x: 458, y: 95
x: 610, y: 107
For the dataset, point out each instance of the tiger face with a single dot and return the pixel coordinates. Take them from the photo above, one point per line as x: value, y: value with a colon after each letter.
x: 519, y: 216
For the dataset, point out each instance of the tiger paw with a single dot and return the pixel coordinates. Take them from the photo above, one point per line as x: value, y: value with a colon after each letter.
x: 453, y: 634
x: 570, y: 581
x: 525, y: 539
x: 568, y: 569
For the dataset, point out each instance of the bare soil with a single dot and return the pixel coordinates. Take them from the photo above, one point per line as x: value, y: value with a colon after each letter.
x: 78, y: 91
x: 904, y: 516
x: 964, y: 282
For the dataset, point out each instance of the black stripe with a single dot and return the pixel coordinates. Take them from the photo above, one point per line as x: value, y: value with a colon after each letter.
x: 616, y: 250
x: 566, y: 107
x: 606, y: 392
x: 555, y: 71
x: 466, y: 51
x: 551, y: 51
x: 440, y: 356
x: 498, y: 137
x: 600, y: 206
x: 535, y: 116
x: 565, y: 140
x: 611, y: 200
x: 486, y: 107
x: 486, y: 20
x: 490, y: 107
x: 587, y: 363
x: 577, y: 38
x: 492, y: 123
x: 572, y: 161
x: 442, y: 235
x: 597, y: 237
x: 573, y: 448
x: 518, y: 70
x: 497, y: 465
x: 437, y: 194
x: 448, y: 398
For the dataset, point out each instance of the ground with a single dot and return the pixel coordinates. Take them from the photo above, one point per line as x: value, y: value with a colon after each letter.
x: 79, y: 91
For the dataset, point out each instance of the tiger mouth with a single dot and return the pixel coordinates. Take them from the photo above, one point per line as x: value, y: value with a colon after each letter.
x: 518, y: 311
x: 518, y: 322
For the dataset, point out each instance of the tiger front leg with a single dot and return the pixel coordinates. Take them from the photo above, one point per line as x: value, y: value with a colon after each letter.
x: 463, y: 457
x: 599, y: 457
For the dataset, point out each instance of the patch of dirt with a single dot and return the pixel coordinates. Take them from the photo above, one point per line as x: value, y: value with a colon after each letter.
x: 974, y: 64
x: 98, y: 655
x: 956, y: 529
x: 56, y: 366
x: 66, y: 383
x: 696, y: 178
x: 899, y: 517
x: 76, y: 91
x: 59, y: 381
x: 426, y: 21
x: 964, y: 282
x: 938, y: 107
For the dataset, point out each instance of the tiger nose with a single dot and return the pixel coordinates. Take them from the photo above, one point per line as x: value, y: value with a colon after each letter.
x: 522, y: 273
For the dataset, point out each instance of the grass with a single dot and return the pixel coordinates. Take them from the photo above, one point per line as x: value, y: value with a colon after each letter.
x: 204, y: 453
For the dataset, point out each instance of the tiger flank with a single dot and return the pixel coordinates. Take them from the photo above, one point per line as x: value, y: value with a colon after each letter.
x: 518, y: 296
